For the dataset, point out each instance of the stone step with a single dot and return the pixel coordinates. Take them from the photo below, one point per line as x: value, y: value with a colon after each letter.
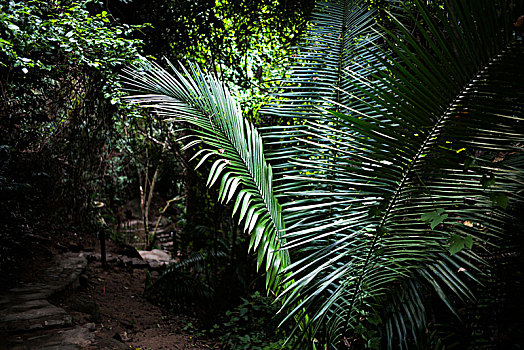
x: 165, y: 240
x: 69, y: 339
x: 26, y: 308
x: 34, y: 315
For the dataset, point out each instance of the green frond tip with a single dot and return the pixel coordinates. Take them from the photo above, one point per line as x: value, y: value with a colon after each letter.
x: 200, y: 100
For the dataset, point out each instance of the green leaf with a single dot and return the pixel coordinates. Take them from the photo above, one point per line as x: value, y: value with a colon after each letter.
x: 374, y: 211
x: 468, y: 241
x: 499, y: 199
x: 469, y: 162
x: 457, y: 244
x: 434, y: 218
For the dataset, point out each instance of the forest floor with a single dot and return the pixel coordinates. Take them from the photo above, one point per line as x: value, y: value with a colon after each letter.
x: 122, y: 313
x: 106, y: 307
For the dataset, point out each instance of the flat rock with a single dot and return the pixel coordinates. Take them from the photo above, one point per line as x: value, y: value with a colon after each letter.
x: 155, y: 254
x: 42, y: 316
x: 35, y: 295
x: 156, y: 258
x: 28, y: 288
x: 70, y: 339
x: 127, y: 261
x: 28, y: 305
x: 110, y: 258
x: 134, y: 262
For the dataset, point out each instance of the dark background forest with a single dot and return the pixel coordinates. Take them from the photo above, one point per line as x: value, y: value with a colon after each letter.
x: 78, y: 164
x: 84, y: 170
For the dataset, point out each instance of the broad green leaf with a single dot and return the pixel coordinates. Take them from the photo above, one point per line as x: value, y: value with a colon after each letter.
x: 468, y: 242
x: 434, y: 218
x: 456, y: 244
x: 487, y: 181
x: 500, y: 199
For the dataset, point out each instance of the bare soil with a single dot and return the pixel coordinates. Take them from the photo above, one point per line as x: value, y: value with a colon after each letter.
x: 112, y: 300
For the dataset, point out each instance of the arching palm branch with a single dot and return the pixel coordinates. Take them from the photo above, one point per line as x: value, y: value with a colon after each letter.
x: 399, y: 167
x: 206, y: 104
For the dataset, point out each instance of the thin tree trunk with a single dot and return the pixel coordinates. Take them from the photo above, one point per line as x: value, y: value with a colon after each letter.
x: 102, y: 237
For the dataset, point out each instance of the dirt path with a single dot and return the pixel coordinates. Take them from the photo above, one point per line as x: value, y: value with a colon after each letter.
x: 81, y: 305
x: 112, y: 299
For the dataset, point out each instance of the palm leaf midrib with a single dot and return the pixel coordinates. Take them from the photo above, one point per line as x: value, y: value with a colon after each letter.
x: 202, y: 101
x: 423, y: 147
x: 224, y: 135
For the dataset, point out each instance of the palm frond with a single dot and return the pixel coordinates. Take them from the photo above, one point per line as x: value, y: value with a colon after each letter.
x: 398, y: 165
x: 195, y: 262
x: 203, y: 102
x: 420, y: 111
x: 184, y: 280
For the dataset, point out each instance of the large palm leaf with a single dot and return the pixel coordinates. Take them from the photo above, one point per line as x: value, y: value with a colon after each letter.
x: 398, y: 151
x: 381, y: 194
x: 203, y: 102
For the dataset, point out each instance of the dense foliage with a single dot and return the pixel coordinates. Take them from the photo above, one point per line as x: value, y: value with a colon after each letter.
x: 247, y: 43
x: 59, y: 67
